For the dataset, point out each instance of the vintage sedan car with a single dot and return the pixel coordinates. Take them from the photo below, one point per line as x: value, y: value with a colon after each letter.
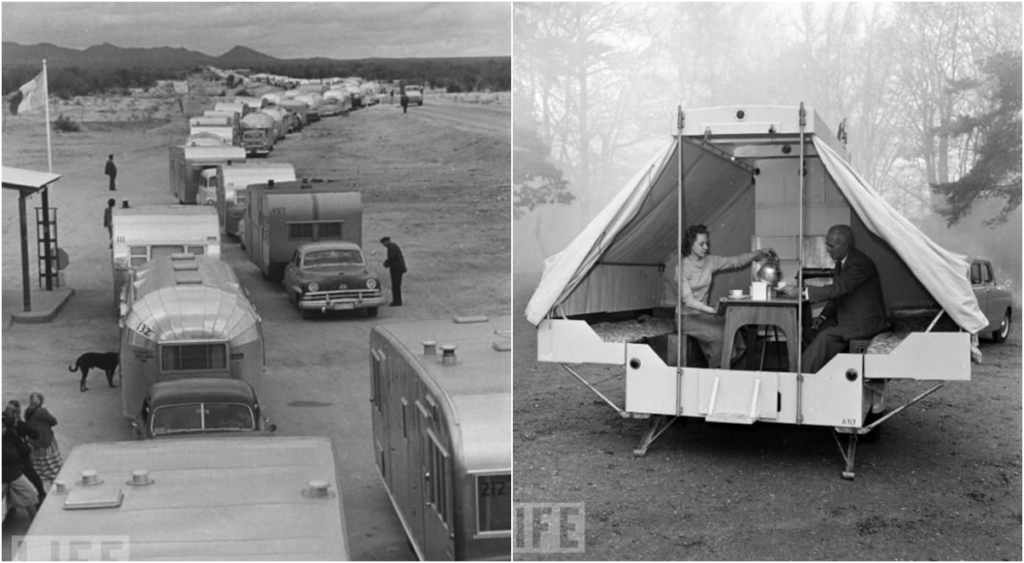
x: 996, y: 301
x: 331, y: 276
x: 201, y: 406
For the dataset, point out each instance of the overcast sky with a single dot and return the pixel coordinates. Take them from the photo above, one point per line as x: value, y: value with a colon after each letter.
x: 338, y: 30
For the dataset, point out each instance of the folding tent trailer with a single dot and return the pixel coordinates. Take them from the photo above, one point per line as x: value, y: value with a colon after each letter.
x: 762, y: 176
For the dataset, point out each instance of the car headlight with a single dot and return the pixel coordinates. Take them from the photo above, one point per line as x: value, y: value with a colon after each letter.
x: 371, y: 283
x: 313, y: 286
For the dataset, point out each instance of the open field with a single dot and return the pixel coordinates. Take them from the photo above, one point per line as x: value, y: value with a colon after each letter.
x: 436, y: 180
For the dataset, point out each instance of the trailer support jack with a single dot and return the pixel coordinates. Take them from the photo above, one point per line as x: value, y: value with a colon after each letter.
x: 656, y: 426
x: 853, y: 433
x: 848, y: 453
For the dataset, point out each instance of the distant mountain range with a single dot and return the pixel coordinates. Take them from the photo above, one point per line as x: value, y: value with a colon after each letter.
x: 107, y: 55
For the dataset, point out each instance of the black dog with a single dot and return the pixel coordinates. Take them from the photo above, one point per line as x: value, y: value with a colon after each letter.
x: 105, y: 361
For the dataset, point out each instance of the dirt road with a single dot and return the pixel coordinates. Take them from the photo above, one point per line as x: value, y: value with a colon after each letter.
x: 441, y: 192
x: 944, y: 482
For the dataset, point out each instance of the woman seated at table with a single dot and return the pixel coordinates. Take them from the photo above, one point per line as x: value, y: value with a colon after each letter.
x: 700, y: 320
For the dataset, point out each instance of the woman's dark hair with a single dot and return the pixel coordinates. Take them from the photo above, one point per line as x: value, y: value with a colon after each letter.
x: 691, y: 237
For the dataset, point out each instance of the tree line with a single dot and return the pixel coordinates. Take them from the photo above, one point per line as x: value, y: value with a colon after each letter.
x: 930, y: 92
x: 453, y: 75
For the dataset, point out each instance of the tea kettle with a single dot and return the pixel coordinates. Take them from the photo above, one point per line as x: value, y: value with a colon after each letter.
x: 770, y: 272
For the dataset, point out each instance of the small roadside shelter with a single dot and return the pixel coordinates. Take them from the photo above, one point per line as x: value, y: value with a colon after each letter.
x: 28, y: 182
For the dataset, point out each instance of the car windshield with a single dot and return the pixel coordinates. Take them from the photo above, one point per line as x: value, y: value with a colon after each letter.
x: 332, y: 257
x: 202, y: 417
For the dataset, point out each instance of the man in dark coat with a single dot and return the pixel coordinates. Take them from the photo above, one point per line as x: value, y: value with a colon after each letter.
x: 111, y: 170
x: 396, y: 264
x: 855, y: 308
x: 405, y: 101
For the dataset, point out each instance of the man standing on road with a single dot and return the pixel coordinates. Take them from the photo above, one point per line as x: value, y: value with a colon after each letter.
x: 405, y: 101
x: 111, y: 170
x: 108, y: 217
x: 396, y: 264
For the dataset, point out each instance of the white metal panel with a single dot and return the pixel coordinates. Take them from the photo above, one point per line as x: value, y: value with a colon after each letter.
x: 829, y: 397
x: 574, y: 342
x: 943, y: 356
x: 735, y: 392
x: 650, y: 384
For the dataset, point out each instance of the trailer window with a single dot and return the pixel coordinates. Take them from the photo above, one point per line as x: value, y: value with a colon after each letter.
x: 494, y: 503
x: 438, y: 486
x: 190, y: 357
x: 330, y: 229
x: 300, y: 231
x: 139, y: 255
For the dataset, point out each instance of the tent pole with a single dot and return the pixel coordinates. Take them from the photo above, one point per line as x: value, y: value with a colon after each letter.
x: 800, y: 276
x: 680, y: 358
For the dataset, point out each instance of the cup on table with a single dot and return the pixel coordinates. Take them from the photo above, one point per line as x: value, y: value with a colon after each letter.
x: 735, y: 293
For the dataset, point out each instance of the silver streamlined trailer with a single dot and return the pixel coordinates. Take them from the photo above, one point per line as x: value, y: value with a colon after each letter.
x: 613, y: 274
x: 188, y: 317
x: 252, y: 498
x: 280, y: 216
x: 141, y: 234
x: 442, y: 409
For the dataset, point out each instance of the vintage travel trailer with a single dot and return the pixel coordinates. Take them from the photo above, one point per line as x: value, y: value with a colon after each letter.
x: 757, y: 176
x: 187, y: 317
x: 224, y: 187
x: 219, y: 499
x: 442, y: 433
x: 279, y: 216
x: 187, y: 162
x: 141, y: 234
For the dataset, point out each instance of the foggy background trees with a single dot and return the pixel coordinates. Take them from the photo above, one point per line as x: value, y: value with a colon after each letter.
x: 930, y: 93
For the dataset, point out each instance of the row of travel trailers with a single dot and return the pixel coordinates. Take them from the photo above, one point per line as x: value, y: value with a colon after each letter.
x: 441, y: 416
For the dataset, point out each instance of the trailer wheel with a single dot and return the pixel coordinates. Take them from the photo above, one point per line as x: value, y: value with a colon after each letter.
x: 1000, y: 335
x: 371, y: 312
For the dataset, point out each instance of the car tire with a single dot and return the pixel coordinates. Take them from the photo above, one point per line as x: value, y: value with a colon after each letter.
x: 1003, y: 332
x: 306, y: 314
x: 371, y: 312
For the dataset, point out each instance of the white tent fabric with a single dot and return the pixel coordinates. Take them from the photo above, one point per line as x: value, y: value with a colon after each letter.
x: 564, y: 270
x: 942, y: 272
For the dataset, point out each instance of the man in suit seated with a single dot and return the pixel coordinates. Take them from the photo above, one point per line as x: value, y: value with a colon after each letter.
x: 855, y: 308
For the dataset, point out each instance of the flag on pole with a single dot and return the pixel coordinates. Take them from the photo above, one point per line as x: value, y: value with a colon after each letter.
x: 30, y: 97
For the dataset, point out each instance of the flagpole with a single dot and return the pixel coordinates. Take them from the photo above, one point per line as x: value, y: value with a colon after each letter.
x: 48, y: 244
x: 46, y: 96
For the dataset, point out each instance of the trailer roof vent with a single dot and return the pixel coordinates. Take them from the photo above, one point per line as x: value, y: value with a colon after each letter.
x: 429, y: 347
x: 448, y: 357
x: 188, y: 277
x: 318, y: 489
x: 140, y: 478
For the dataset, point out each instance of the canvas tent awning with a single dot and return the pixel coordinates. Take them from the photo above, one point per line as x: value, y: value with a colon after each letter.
x: 639, y: 227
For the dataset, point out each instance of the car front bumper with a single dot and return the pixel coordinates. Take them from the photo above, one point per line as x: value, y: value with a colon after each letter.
x: 345, y: 300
